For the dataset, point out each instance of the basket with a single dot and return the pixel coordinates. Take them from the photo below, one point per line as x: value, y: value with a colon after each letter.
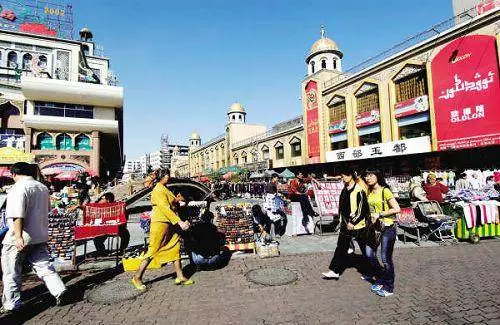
x: 267, y: 250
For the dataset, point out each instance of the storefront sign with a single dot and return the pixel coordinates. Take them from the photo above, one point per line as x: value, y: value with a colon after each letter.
x: 411, y: 106
x: 467, y: 93
x: 387, y: 149
x: 312, y: 121
x: 65, y: 167
x: 486, y: 6
x: 338, y: 126
x: 368, y: 118
x: 10, y: 155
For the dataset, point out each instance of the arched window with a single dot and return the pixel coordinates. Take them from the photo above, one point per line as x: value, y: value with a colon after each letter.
x: 27, y: 61
x: 44, y: 141
x: 82, y: 142
x: 0, y: 55
x: 334, y: 64
x: 85, y: 49
x: 12, y: 59
x: 265, y: 152
x: 64, y: 142
x: 295, y: 146
x: 42, y: 61
x: 312, y: 66
x: 280, y: 152
x: 323, y: 64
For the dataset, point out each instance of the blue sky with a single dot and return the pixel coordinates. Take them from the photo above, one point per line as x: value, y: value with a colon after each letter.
x: 182, y: 63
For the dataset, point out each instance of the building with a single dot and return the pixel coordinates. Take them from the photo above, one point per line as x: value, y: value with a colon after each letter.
x: 179, y: 163
x: 132, y: 166
x: 250, y: 146
x: 58, y: 97
x: 433, y: 93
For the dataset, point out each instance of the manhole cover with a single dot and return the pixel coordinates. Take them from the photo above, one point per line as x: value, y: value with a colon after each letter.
x: 272, y: 276
x: 112, y: 292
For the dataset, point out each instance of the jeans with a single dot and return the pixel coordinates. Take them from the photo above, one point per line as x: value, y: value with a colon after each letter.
x: 211, y: 262
x: 12, y: 265
x: 384, y: 274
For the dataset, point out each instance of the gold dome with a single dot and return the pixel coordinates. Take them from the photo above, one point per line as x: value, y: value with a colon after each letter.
x: 324, y: 44
x: 236, y: 108
x: 194, y: 136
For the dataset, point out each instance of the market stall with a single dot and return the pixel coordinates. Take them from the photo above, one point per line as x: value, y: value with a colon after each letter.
x: 236, y: 222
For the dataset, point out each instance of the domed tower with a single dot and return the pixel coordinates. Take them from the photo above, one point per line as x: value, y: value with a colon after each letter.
x: 324, y: 55
x: 194, y: 140
x: 87, y: 40
x: 236, y: 114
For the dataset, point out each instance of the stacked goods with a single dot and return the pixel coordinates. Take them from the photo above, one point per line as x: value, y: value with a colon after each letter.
x: 236, y: 222
x: 61, y: 242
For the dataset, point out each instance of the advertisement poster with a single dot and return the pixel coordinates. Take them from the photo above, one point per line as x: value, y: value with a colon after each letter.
x: 467, y: 93
x: 338, y: 126
x: 327, y: 195
x: 368, y: 118
x: 411, y: 106
x: 312, y: 122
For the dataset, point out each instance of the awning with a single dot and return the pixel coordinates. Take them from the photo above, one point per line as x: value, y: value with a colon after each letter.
x: 287, y: 174
x: 67, y: 176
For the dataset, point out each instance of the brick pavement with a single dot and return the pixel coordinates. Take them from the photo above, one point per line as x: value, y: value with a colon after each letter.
x: 458, y: 284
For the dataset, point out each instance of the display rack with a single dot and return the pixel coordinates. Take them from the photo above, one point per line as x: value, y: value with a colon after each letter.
x: 237, y: 224
x: 61, y: 243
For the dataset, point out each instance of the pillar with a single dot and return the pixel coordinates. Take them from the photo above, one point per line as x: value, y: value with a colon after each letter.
x: 95, y: 162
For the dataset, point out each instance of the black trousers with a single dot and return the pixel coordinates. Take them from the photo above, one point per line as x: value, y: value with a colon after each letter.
x: 305, y: 205
x: 341, y: 259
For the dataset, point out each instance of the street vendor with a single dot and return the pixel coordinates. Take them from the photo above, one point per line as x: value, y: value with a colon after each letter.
x: 435, y: 190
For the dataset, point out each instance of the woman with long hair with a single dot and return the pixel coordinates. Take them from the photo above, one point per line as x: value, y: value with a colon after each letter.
x: 164, y: 231
x: 383, y: 207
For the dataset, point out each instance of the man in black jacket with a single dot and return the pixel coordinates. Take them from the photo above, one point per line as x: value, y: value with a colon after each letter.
x: 354, y: 213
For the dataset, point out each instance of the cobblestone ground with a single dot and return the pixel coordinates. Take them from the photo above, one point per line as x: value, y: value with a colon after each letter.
x: 457, y: 284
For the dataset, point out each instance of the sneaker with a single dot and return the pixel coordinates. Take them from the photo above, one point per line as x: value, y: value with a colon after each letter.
x: 330, y: 275
x: 60, y: 299
x: 376, y: 287
x: 350, y: 251
x: 367, y: 278
x: 384, y: 293
x: 5, y: 312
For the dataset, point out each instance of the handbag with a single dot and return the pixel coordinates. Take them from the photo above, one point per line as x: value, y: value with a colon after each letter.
x: 375, y: 228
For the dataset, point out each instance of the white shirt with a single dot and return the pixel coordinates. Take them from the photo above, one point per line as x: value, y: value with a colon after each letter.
x: 28, y: 199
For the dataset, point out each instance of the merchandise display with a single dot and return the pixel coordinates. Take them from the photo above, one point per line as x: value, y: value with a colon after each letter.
x: 61, y: 243
x: 236, y: 222
x: 399, y: 185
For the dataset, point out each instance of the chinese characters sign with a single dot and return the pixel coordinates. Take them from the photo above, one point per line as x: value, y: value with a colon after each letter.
x: 312, y: 121
x: 327, y: 196
x: 386, y: 149
x: 338, y: 126
x: 411, y: 106
x: 368, y: 118
x: 47, y: 18
x: 467, y: 93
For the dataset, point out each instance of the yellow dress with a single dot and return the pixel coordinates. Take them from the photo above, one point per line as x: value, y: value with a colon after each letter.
x: 164, y: 244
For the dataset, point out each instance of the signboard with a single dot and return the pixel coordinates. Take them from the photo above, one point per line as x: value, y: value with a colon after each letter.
x: 411, y: 106
x: 387, y: 149
x: 467, y: 93
x: 37, y: 17
x: 486, y: 6
x: 338, y: 126
x: 312, y: 121
x: 368, y: 118
x: 10, y: 155
x: 65, y: 167
x: 327, y: 197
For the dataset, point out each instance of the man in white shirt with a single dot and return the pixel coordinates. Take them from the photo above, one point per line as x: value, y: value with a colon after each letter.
x: 28, y: 206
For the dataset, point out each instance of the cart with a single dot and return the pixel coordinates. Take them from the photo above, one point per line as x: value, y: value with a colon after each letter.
x: 440, y: 225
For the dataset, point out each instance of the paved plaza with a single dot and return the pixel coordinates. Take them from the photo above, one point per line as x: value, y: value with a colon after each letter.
x: 449, y: 284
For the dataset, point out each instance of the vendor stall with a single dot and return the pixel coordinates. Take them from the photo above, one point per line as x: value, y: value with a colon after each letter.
x: 237, y: 223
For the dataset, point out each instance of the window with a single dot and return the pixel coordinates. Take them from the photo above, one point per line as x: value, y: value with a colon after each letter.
x: 82, y: 142
x: 312, y: 66
x: 27, y: 61
x: 265, y: 153
x: 64, y: 142
x: 334, y: 64
x: 411, y: 86
x: 323, y: 64
x: 42, y: 61
x: 12, y: 60
x: 371, y: 138
x: 236, y: 160
x: 296, y: 150
x: 338, y: 145
x: 338, y: 111
x: 45, y: 141
x: 85, y: 49
x: 368, y: 101
x: 64, y: 110
x: 414, y: 130
x: 280, y: 153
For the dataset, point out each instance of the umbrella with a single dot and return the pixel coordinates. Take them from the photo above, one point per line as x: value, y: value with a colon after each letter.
x: 204, y: 179
x: 287, y: 174
x: 67, y: 176
x: 51, y: 171
x: 227, y: 175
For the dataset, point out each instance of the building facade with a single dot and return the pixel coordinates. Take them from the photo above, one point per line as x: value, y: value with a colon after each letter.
x: 59, y: 101
x: 434, y: 95
x: 250, y: 146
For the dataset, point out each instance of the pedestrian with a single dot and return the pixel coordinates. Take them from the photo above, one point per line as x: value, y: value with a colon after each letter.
x: 435, y: 190
x: 274, y: 206
x: 164, y: 231
x: 354, y: 213
x: 296, y: 193
x: 28, y: 207
x: 384, y: 207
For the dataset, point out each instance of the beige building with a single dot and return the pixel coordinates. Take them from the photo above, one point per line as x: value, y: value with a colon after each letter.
x: 252, y: 146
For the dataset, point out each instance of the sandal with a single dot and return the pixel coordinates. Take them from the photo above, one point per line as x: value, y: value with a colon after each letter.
x: 187, y: 282
x: 138, y: 285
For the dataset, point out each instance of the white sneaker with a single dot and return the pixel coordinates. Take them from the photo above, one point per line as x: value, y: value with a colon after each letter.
x: 350, y: 251
x: 330, y: 275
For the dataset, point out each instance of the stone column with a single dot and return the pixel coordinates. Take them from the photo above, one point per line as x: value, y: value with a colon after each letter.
x: 27, y: 142
x: 95, y: 163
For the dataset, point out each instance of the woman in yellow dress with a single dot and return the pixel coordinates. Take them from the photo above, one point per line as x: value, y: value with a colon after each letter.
x: 164, y: 231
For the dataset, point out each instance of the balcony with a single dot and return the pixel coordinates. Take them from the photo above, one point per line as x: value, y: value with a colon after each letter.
x: 61, y: 91
x: 58, y: 123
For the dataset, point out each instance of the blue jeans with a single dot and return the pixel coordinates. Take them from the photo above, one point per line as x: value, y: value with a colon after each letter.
x: 384, y: 274
x: 214, y: 261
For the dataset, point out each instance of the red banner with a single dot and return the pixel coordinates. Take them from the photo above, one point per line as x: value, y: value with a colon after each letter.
x: 368, y: 118
x: 411, y: 106
x: 312, y: 121
x: 467, y: 93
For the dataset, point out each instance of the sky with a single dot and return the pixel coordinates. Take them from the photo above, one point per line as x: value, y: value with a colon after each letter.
x: 183, y: 63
